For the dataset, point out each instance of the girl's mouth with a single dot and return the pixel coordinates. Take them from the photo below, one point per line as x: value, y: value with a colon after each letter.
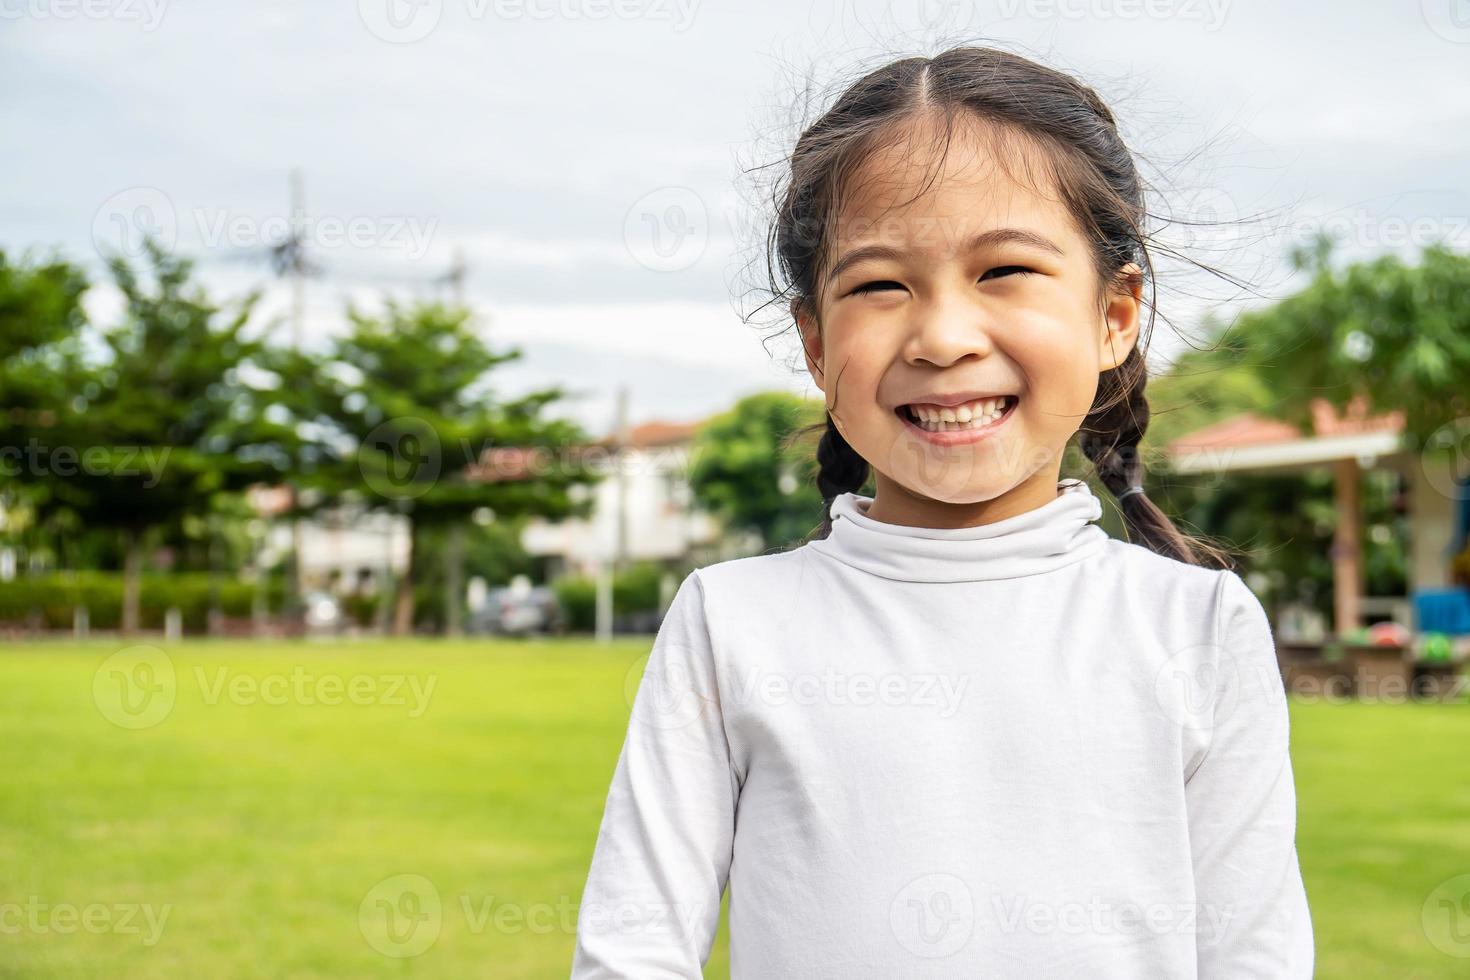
x: 960, y: 425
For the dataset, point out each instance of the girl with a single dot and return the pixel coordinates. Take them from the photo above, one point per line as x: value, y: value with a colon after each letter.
x: 961, y: 732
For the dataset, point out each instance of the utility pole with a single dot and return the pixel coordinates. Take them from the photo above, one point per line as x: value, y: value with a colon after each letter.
x: 291, y: 261
x: 297, y: 267
x: 456, y: 276
x: 620, y: 443
x: 610, y: 559
x: 454, y: 543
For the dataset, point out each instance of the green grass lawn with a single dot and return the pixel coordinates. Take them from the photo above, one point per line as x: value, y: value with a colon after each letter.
x: 273, y: 836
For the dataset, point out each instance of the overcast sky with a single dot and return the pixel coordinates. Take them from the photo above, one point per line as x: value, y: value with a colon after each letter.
x: 585, y: 156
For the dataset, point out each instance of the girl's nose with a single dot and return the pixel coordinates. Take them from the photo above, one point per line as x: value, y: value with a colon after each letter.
x: 946, y: 329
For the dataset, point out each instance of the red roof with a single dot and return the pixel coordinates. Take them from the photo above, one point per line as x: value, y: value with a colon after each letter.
x: 269, y: 501
x: 652, y: 435
x: 1246, y: 429
x: 1355, y: 420
x: 1250, y: 429
x: 504, y: 464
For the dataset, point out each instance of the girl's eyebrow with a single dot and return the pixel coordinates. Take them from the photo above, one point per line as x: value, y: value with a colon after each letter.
x: 985, y: 239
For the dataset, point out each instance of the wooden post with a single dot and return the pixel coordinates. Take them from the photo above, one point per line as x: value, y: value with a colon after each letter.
x: 604, y: 599
x: 1347, y: 552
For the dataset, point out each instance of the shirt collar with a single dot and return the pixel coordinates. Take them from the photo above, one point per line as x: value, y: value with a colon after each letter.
x: 1056, y: 534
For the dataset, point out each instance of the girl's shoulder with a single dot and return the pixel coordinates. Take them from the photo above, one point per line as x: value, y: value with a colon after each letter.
x: 758, y: 595
x: 1138, y: 560
x: 1136, y: 570
x: 752, y: 575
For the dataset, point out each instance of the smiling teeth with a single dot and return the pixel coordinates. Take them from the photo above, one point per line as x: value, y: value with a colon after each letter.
x: 971, y: 415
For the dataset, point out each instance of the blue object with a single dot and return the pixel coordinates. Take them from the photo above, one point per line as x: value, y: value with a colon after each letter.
x: 1442, y: 610
x: 1462, y: 519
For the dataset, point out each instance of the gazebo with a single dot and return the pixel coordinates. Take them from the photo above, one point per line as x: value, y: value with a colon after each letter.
x: 1347, y: 444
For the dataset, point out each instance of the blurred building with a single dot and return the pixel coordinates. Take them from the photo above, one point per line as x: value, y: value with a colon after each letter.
x: 642, y: 510
x: 348, y: 549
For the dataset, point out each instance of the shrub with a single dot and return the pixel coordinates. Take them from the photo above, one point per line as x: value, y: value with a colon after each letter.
x: 51, y: 599
x: 635, y: 596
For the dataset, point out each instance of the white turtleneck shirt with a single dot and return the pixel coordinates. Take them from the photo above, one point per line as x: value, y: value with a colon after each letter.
x: 1019, y: 750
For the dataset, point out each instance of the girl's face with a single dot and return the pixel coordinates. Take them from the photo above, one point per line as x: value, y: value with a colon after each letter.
x: 959, y: 332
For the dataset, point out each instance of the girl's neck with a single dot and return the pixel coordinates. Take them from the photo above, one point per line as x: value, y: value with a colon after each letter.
x: 896, y: 504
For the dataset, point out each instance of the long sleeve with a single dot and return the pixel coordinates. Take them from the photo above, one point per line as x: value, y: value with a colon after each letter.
x: 1252, y: 916
x: 652, y: 900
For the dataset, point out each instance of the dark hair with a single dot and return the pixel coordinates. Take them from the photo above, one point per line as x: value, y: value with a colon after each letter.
x: 1089, y: 165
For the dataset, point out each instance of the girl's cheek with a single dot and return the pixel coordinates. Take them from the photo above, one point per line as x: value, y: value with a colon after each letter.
x: 860, y: 363
x: 863, y: 341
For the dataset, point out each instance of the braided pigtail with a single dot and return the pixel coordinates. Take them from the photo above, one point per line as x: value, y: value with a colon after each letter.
x: 839, y: 470
x: 1110, y: 437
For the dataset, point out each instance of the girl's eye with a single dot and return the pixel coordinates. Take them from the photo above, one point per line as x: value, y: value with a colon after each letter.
x: 1006, y: 271
x: 876, y: 286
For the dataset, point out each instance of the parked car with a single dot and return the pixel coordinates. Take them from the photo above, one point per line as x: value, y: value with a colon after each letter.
x: 518, y: 611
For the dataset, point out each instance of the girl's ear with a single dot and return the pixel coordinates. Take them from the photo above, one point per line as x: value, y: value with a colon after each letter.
x: 1122, y: 317
x: 811, y: 342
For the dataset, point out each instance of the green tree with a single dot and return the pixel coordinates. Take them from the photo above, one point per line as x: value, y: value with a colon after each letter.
x: 751, y: 471
x: 408, y: 420
x: 157, y: 423
x: 40, y: 306
x: 41, y: 320
x: 1393, y: 331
